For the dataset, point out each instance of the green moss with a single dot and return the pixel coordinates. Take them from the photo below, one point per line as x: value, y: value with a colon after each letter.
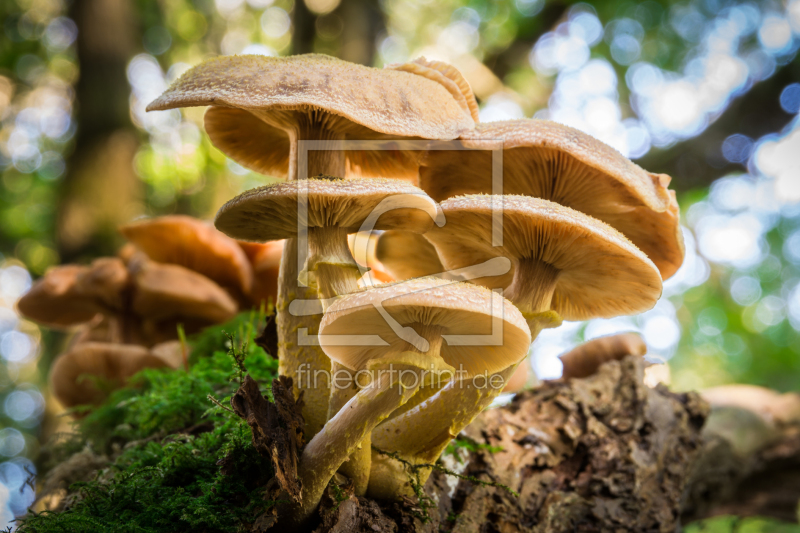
x: 185, y: 464
x: 734, y: 524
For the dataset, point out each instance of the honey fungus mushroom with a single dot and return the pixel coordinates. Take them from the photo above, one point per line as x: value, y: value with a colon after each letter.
x: 262, y: 108
x: 565, y: 264
x: 584, y: 360
x: 564, y: 261
x: 554, y: 162
x: 465, y: 328
x: 335, y: 208
x: 196, y: 245
x: 88, y: 371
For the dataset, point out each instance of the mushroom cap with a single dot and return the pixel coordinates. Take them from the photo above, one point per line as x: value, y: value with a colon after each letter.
x: 586, y: 358
x: 106, y: 280
x: 360, y: 100
x: 164, y: 291
x: 460, y: 309
x: 270, y: 213
x: 407, y: 255
x: 448, y: 76
x: 602, y: 274
x: 194, y: 244
x: 564, y: 165
x: 54, y: 300
x: 265, y: 258
x: 72, y: 372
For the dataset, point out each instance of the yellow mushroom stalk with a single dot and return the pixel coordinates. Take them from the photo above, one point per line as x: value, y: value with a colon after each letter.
x: 333, y: 208
x: 436, y: 326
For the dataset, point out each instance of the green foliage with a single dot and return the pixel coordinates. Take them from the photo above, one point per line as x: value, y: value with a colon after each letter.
x: 462, y: 443
x: 186, y: 465
x: 735, y: 524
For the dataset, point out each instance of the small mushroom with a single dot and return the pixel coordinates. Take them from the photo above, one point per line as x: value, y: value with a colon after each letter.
x: 521, y: 378
x: 335, y: 208
x: 69, y: 295
x: 265, y: 260
x: 421, y: 434
x: 196, y: 245
x: 584, y: 360
x: 164, y: 292
x: 548, y: 160
x: 89, y: 371
x: 407, y: 255
x: 564, y: 261
x: 436, y: 310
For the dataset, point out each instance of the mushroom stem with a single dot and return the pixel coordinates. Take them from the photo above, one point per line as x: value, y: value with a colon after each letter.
x: 397, y: 376
x: 421, y: 434
x: 532, y: 292
x: 330, y: 259
x: 303, y: 362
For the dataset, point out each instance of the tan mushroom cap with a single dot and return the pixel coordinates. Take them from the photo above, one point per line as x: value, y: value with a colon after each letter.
x: 407, y: 255
x: 165, y: 291
x: 54, y: 300
x: 106, y: 280
x: 459, y: 309
x: 586, y: 358
x: 271, y: 212
x: 564, y: 165
x: 448, y: 76
x: 265, y: 258
x: 72, y: 373
x: 602, y: 274
x: 360, y: 101
x: 196, y: 245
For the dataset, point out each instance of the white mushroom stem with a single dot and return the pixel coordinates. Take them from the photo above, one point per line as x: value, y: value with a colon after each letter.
x: 421, y: 434
x: 532, y: 292
x: 392, y: 386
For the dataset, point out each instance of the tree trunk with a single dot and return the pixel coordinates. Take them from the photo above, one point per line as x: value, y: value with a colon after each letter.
x: 100, y: 190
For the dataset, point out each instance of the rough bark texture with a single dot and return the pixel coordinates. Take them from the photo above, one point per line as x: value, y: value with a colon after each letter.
x: 277, y: 427
x: 605, y: 453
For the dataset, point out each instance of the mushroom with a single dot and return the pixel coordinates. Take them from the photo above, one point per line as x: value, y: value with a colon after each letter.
x: 566, y: 264
x: 89, y: 371
x: 65, y: 297
x: 265, y: 260
x: 521, y: 378
x: 166, y: 292
x: 407, y: 255
x: 561, y: 164
x: 191, y: 243
x: 355, y: 333
x: 262, y: 107
x: 334, y: 209
x: 584, y: 360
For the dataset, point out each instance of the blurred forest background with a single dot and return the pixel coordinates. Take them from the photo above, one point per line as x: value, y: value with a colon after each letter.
x: 704, y: 90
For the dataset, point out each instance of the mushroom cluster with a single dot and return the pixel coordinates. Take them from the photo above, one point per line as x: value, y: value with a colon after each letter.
x: 578, y: 232
x: 125, y: 311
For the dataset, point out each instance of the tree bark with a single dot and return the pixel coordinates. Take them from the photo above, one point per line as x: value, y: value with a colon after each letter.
x: 100, y: 190
x: 605, y: 453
